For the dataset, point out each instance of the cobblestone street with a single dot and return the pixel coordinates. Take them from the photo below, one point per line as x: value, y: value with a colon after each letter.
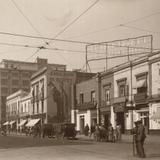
x: 28, y: 148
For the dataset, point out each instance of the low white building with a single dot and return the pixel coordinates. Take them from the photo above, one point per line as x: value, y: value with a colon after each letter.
x: 25, y: 110
x: 87, y: 97
x: 14, y: 108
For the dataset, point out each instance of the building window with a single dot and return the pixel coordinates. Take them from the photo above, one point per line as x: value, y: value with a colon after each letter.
x: 15, y: 82
x: 15, y: 74
x: 107, y: 95
x: 14, y: 90
x: 93, y: 96
x: 121, y: 90
x: 142, y: 90
x: 25, y: 74
x: 81, y: 98
x: 4, y: 74
x: 4, y: 90
x: 25, y: 83
x: 21, y: 108
x: 25, y: 108
x: 37, y: 107
x: 37, y: 91
x: 33, y: 108
x: 42, y: 106
x: 4, y: 81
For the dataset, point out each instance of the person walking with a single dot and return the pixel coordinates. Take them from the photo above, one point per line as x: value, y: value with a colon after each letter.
x: 86, y: 130
x: 118, y: 131
x: 92, y: 130
x: 141, y: 136
x: 135, y: 142
x: 110, y: 133
x: 97, y: 133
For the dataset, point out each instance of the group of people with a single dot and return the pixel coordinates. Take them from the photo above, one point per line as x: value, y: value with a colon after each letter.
x: 103, y: 133
x: 139, y: 137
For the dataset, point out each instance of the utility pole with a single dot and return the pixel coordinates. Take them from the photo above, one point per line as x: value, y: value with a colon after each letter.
x: 99, y: 98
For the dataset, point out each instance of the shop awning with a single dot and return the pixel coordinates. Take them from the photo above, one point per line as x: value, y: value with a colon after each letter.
x: 12, y: 122
x: 22, y: 123
x: 6, y: 123
x: 32, y: 122
x: 141, y: 83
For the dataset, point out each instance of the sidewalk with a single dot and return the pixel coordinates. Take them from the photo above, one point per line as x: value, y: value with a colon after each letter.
x: 126, y: 138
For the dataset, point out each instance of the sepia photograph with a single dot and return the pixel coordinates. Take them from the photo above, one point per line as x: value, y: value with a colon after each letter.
x: 79, y: 79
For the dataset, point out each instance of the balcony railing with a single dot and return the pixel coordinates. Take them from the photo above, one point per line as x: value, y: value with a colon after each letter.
x: 140, y: 97
x: 105, y: 103
x: 120, y: 99
x: 86, y: 105
x: 154, y: 97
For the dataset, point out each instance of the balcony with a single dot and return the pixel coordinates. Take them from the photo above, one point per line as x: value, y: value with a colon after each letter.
x: 105, y: 103
x: 86, y: 105
x: 120, y: 99
x: 140, y: 97
x: 154, y: 97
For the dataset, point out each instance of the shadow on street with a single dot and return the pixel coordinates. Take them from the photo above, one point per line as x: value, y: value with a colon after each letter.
x: 7, y: 142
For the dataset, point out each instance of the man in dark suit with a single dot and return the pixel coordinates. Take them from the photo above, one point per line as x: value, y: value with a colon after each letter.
x: 140, y: 138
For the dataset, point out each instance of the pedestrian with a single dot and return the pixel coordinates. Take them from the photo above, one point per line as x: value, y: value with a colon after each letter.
x: 118, y: 132
x: 110, y: 133
x: 141, y: 136
x: 135, y: 142
x: 97, y: 133
x: 92, y: 130
x: 86, y: 130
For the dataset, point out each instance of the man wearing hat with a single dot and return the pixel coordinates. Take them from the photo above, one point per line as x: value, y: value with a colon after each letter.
x: 140, y: 138
x: 135, y: 142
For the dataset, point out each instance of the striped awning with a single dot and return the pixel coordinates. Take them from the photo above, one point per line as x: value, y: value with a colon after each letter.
x: 32, y: 122
x: 6, y: 123
x: 12, y: 122
x: 22, y: 122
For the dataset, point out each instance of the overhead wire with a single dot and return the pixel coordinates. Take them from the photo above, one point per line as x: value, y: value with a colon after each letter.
x: 72, y: 22
x: 140, y: 29
x: 27, y: 19
x: 115, y: 26
x: 59, y: 49
x: 30, y: 23
x: 68, y: 41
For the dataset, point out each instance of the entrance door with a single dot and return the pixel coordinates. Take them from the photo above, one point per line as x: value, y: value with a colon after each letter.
x: 106, y: 120
x: 120, y: 120
x: 81, y: 124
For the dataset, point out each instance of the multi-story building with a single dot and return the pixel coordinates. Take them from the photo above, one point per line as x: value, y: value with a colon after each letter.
x: 128, y: 92
x: 107, y: 96
x: 122, y: 79
x: 87, y: 99
x: 131, y: 92
x: 154, y: 97
x: 53, y: 94
x: 25, y: 110
x: 15, y: 75
x: 14, y: 109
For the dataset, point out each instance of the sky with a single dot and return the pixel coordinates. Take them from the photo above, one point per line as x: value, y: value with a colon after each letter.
x: 46, y: 18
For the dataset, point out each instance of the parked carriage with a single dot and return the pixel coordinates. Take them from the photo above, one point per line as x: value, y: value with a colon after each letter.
x: 57, y: 130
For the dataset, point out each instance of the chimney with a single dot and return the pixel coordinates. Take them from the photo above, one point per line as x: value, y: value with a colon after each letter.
x: 41, y: 62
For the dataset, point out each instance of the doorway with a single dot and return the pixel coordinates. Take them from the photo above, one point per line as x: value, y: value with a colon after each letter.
x: 81, y: 124
x: 120, y: 120
x: 106, y: 120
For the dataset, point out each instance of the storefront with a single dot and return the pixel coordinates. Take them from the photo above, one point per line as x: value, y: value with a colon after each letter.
x: 105, y: 114
x: 119, y: 110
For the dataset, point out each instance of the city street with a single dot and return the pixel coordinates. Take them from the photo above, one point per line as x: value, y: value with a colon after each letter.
x: 29, y: 148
